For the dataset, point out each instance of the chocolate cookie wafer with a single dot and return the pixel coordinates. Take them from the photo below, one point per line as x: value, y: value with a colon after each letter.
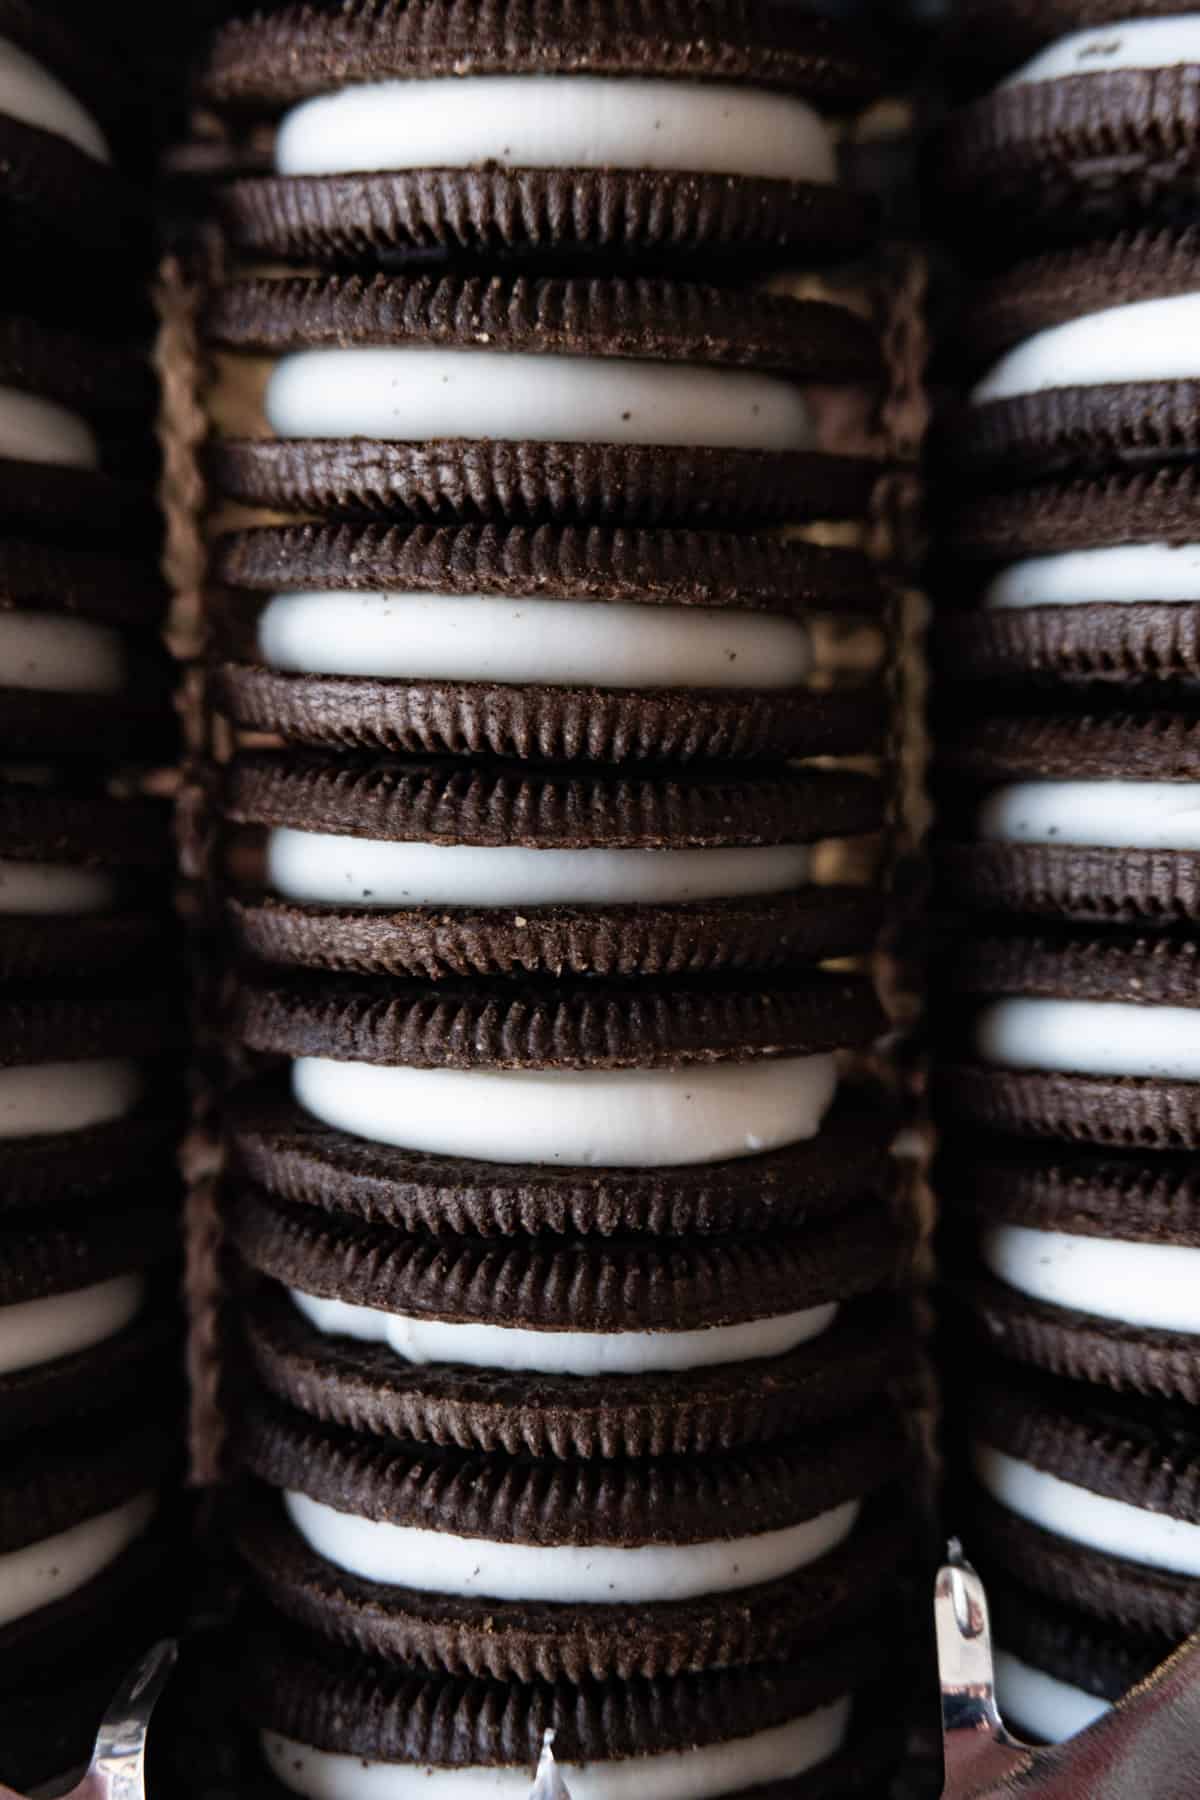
x: 1096, y: 367
x: 569, y: 130
x: 1096, y: 129
x: 558, y: 643
x: 1091, y: 582
x: 1091, y: 1499
x: 1088, y: 1037
x: 608, y: 401
x: 1086, y: 1261
x: 785, y: 1728
x: 1085, y: 817
x: 423, y: 869
x: 535, y: 1570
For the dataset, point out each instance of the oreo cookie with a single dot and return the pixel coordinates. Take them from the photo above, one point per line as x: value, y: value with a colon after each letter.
x: 1096, y: 129
x: 1095, y: 369
x: 558, y: 643
x: 1085, y: 1262
x: 423, y: 869
x: 79, y: 872
x: 1132, y: 1560
x: 576, y: 1348
x: 665, y: 402
x: 1083, y: 817
x: 782, y: 1727
x: 1081, y: 1037
x: 79, y: 1322
x: 1056, y: 1670
x: 741, y: 1557
x: 568, y: 131
x: 1093, y: 583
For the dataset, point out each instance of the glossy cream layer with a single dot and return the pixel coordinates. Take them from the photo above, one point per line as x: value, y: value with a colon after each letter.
x: 563, y: 1352
x: 554, y: 643
x: 39, y: 1331
x: 1113, y: 574
x: 1130, y: 815
x: 556, y: 121
x: 49, y: 890
x: 33, y: 429
x: 414, y: 392
x: 66, y: 1096
x: 39, y: 1574
x: 57, y: 655
x: 1040, y: 1706
x: 33, y: 95
x: 604, y: 1118
x: 1094, y: 1520
x: 438, y: 1562
x: 1126, y: 44
x: 1154, y: 1286
x: 1091, y: 1037
x: 366, y: 872
x: 1147, y: 340
x: 703, y: 1773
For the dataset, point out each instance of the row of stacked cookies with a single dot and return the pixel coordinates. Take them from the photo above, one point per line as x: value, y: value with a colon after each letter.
x: 1069, y: 674
x: 564, y: 1250
x: 88, y: 1190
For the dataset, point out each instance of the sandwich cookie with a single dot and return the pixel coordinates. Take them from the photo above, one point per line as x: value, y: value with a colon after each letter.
x: 988, y: 39
x: 563, y: 1347
x: 610, y: 401
x: 1089, y: 1262
x: 80, y: 1108
x: 281, y: 1148
x: 569, y: 130
x: 63, y: 401
x: 1095, y: 129
x: 424, y: 869
x: 528, y: 1570
x: 332, y: 1724
x: 559, y: 643
x: 60, y: 194
x: 78, y: 1320
x: 1093, y: 581
x: 1094, y: 1038
x: 1057, y: 1672
x: 79, y: 870
x: 1093, y: 818
x: 639, y: 1075
x: 1091, y: 1500
x: 1096, y: 362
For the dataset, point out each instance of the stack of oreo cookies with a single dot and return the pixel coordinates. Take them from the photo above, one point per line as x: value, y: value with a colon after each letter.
x: 88, y: 1189
x: 564, y: 1249
x: 1070, y: 1087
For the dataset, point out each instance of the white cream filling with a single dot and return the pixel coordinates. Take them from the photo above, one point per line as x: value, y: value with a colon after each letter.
x: 1127, y: 44
x: 1091, y: 1037
x: 562, y: 1352
x: 1155, y: 1286
x: 1148, y: 340
x: 438, y: 1562
x: 66, y: 1096
x: 413, y: 392
x: 324, y: 870
x: 33, y: 429
x: 30, y: 93
x: 58, y: 655
x: 38, y: 1574
x: 1114, y: 573
x: 49, y: 890
x: 705, y: 1772
x: 40, y: 1331
x: 1130, y: 815
x: 1040, y: 1705
x: 556, y: 121
x: 555, y: 643
x: 1112, y: 1526
x: 605, y: 1118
